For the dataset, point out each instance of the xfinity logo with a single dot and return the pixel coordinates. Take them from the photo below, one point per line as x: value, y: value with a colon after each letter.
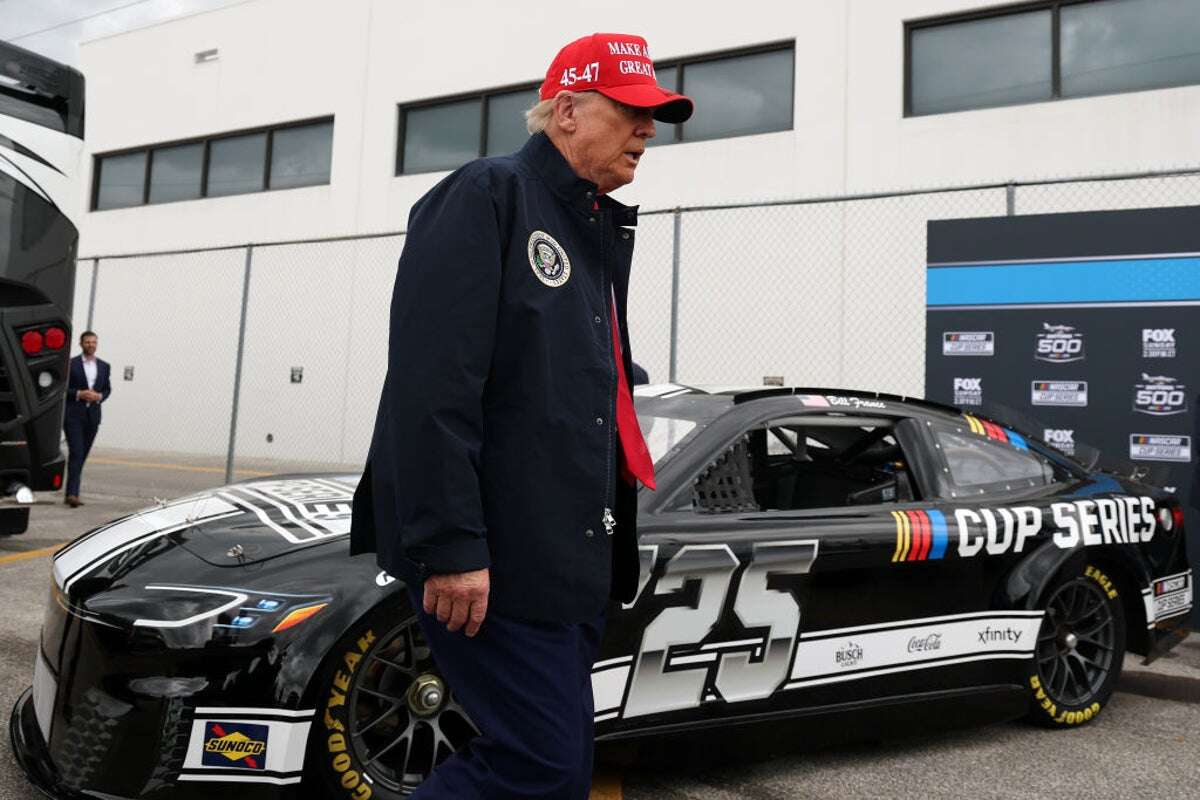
x: 1060, y: 438
x: 968, y: 391
x: 1158, y: 342
x: 989, y: 635
x: 1159, y: 396
x: 1058, y: 344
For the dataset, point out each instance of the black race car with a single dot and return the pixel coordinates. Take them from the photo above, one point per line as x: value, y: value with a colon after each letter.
x: 817, y: 553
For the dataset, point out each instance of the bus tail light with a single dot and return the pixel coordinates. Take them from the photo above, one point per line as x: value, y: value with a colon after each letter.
x: 55, y: 338
x: 31, y: 342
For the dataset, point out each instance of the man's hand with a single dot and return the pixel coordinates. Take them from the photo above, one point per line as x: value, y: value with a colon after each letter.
x: 458, y: 599
x: 89, y: 396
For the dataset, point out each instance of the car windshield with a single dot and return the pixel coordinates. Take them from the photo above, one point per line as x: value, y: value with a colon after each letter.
x: 669, y: 423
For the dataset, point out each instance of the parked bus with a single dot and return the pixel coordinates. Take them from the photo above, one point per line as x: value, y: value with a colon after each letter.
x: 41, y: 144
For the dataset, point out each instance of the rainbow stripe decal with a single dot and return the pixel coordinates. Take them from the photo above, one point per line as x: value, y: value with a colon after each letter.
x: 993, y: 431
x: 920, y: 535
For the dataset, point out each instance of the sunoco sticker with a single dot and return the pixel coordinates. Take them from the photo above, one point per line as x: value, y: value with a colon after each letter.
x: 968, y: 343
x: 1059, y: 393
x: 1151, y: 447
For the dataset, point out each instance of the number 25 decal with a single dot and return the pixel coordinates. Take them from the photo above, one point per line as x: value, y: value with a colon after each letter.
x: 748, y: 669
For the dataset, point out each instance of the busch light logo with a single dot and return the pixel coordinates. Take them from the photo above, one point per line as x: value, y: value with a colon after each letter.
x: 1158, y: 342
x: 968, y: 343
x: 1062, y: 439
x: 1159, y: 396
x: 1059, y: 344
x: 848, y: 655
x: 968, y: 391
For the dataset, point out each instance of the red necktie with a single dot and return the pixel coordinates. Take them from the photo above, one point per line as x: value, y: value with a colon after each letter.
x: 635, y: 458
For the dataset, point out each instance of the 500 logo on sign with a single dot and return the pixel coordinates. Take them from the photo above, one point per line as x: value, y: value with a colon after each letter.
x: 968, y: 343
x: 1158, y: 342
x: 1058, y: 344
x: 1159, y: 395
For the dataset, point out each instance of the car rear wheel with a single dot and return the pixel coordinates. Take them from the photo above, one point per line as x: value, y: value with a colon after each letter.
x: 385, y: 716
x: 1079, y: 652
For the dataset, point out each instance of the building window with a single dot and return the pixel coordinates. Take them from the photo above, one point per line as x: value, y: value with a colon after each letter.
x: 121, y: 180
x: 749, y: 91
x: 445, y: 134
x: 1129, y: 45
x: 281, y: 157
x: 1048, y: 51
x: 506, y: 131
x: 176, y: 172
x: 736, y: 95
x: 301, y: 156
x: 236, y: 165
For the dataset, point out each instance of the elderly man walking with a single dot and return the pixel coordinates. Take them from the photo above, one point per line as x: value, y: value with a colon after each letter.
x: 502, y: 477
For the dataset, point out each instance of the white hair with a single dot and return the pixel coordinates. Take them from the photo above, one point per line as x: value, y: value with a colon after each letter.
x: 538, y: 117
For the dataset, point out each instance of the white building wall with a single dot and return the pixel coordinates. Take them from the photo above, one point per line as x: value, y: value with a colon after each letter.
x: 823, y: 295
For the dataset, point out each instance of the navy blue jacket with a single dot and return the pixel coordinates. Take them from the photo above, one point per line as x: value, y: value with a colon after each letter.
x: 494, y: 443
x: 77, y: 380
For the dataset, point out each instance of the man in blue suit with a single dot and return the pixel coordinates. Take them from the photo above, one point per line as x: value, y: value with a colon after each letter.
x: 87, y: 387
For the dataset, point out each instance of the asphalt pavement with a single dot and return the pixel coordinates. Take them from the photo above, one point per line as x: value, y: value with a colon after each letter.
x: 1146, y: 743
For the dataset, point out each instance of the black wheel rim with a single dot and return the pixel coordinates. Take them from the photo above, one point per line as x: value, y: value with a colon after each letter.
x: 1076, y: 643
x: 394, y: 737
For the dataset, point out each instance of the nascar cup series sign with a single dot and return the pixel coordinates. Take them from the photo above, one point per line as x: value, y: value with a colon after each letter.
x: 1087, y: 325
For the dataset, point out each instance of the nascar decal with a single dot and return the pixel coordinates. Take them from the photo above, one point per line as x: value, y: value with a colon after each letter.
x: 548, y: 259
x: 300, y: 510
x: 1160, y: 447
x: 920, y: 535
x: 926, y: 535
x: 968, y: 343
x: 247, y: 745
x: 1167, y: 597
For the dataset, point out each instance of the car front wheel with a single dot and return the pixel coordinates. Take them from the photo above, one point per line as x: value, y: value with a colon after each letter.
x: 385, y: 716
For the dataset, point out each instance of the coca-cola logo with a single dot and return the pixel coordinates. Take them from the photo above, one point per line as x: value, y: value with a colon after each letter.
x: 925, y: 644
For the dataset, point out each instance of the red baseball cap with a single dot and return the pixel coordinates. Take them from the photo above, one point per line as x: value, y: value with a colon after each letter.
x: 617, y: 66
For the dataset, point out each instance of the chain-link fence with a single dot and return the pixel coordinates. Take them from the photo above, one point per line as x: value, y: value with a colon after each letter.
x: 270, y: 356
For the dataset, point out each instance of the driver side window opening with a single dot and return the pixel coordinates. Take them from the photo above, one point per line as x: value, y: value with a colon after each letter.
x: 806, y: 463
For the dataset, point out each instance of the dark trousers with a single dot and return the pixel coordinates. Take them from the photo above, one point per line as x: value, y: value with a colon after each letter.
x: 527, y: 686
x: 81, y: 432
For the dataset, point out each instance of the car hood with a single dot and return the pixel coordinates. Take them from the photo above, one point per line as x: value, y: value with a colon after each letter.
x: 235, y: 525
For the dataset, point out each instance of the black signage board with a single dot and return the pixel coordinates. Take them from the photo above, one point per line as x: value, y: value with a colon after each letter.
x: 1087, y: 324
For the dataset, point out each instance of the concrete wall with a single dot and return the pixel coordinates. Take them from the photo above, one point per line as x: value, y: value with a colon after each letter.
x: 828, y: 294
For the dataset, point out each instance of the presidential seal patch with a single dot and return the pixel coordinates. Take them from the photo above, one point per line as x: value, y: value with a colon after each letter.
x: 548, y: 260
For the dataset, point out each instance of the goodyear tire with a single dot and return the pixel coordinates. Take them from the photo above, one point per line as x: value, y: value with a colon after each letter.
x: 384, y: 716
x: 1079, y: 652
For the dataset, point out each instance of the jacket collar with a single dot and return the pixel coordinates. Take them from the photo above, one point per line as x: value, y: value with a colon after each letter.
x: 578, y: 193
